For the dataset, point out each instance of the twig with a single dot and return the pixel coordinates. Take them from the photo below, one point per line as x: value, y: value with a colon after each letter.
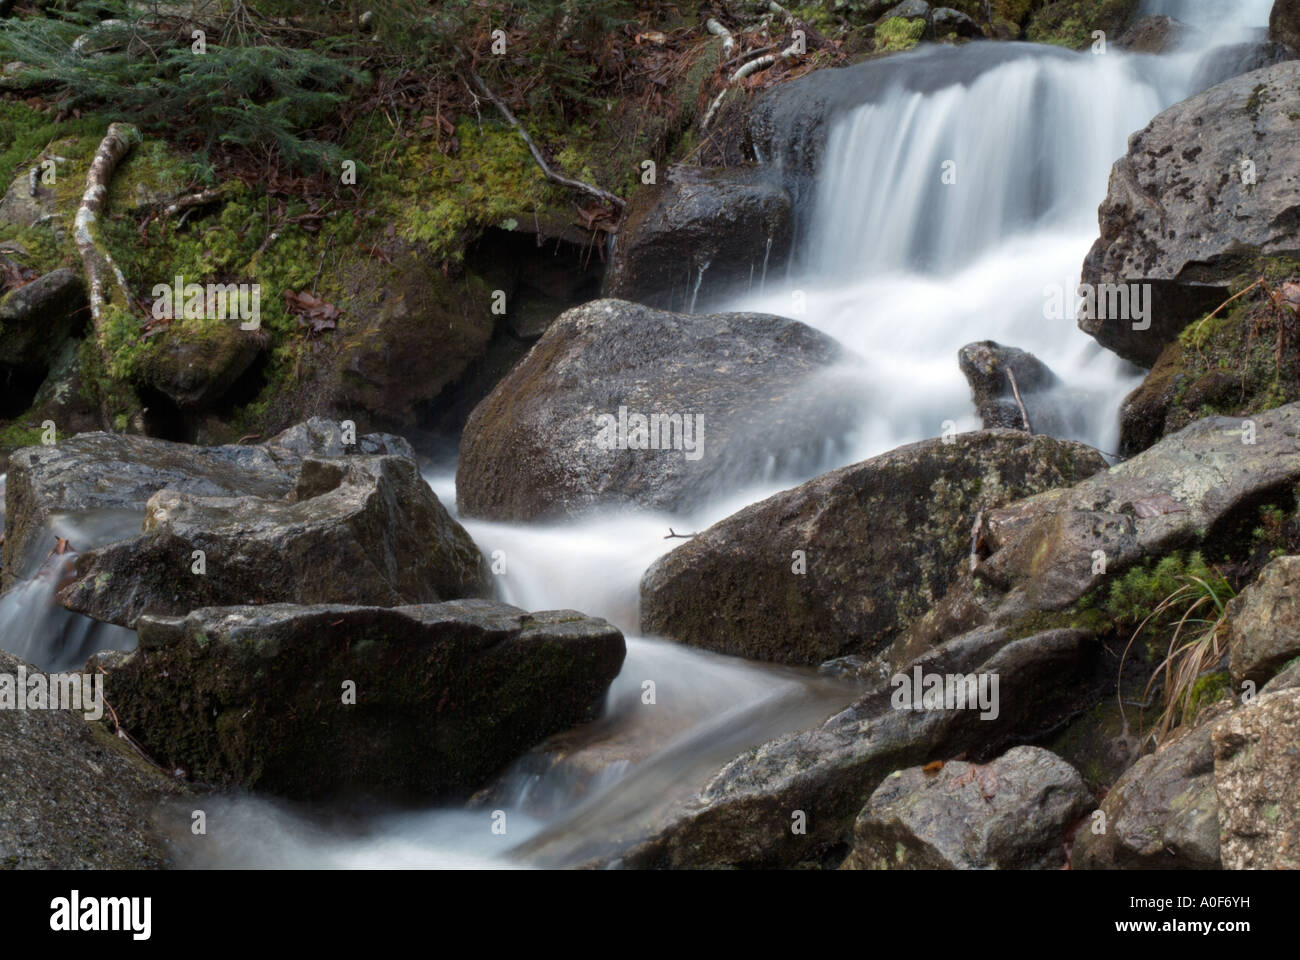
x: 678, y: 536
x: 597, y: 192
x: 1015, y: 389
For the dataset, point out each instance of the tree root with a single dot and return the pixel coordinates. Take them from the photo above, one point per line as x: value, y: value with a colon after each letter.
x: 588, y: 188
x: 97, y: 261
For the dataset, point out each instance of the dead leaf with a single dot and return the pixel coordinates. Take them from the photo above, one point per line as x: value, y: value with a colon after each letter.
x: 930, y: 769
x: 311, y: 311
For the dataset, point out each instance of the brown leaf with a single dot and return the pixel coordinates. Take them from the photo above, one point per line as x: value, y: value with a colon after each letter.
x: 930, y: 769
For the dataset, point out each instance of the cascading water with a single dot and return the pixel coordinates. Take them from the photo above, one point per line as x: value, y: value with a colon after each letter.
x: 902, y: 267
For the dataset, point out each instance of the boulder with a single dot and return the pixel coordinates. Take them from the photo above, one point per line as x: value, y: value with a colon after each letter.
x: 947, y: 22
x: 194, y: 366
x: 734, y: 396
x: 700, y: 236
x: 309, y: 701
x: 1257, y: 780
x: 36, y: 319
x: 1186, y: 213
x: 1010, y: 814
x: 1284, y: 23
x: 881, y: 541
x: 106, y: 473
x: 73, y: 796
x: 1160, y: 815
x: 1264, y: 624
x: 989, y: 368
x: 358, y: 530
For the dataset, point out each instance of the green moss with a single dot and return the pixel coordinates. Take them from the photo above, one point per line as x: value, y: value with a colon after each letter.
x: 1209, y: 689
x: 1071, y: 23
x: 898, y: 33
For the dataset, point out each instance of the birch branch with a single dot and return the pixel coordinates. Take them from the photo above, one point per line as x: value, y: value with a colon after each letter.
x: 96, y: 259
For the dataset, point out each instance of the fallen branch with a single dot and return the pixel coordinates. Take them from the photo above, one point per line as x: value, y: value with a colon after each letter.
x: 678, y: 536
x: 96, y: 259
x: 718, y: 30
x: 1015, y: 389
x: 753, y: 66
x: 604, y: 195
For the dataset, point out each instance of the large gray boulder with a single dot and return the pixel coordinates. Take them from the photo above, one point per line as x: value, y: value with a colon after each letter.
x: 1264, y: 620
x: 1160, y: 815
x: 73, y: 796
x: 1010, y: 814
x: 307, y: 701
x: 1208, y: 188
x: 843, y: 563
x: 1257, y: 780
x: 356, y: 530
x: 38, y: 317
x: 749, y: 393
x: 701, y: 235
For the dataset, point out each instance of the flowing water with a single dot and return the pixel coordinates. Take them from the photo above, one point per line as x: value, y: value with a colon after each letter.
x: 902, y: 257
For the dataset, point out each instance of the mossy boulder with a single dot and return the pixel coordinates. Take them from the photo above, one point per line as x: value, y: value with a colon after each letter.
x: 880, y: 541
x: 1284, y: 23
x: 423, y: 701
x: 37, y: 318
x: 360, y: 530
x: 1071, y: 23
x: 195, y: 363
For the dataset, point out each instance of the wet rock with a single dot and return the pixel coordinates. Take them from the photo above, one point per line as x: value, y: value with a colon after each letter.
x: 1264, y: 620
x: 880, y: 541
x: 360, y: 530
x: 445, y: 694
x: 1010, y: 814
x: 700, y: 236
x: 1160, y: 815
x: 1187, y: 217
x: 947, y: 22
x: 1284, y: 23
x: 73, y: 796
x: 750, y: 393
x: 1257, y: 780
x: 743, y: 816
x: 195, y: 366
x: 1155, y: 34
x: 104, y: 472
x: 989, y: 368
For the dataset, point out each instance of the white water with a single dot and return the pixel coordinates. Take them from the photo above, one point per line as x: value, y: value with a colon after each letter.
x: 903, y: 269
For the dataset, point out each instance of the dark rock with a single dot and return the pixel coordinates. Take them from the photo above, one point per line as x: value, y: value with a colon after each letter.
x: 700, y: 236
x: 1010, y: 814
x: 359, y: 530
x: 36, y: 319
x: 1284, y: 23
x: 989, y: 367
x: 1257, y: 781
x: 882, y: 541
x: 73, y: 796
x: 947, y: 22
x: 533, y: 449
x: 1179, y: 217
x: 445, y: 694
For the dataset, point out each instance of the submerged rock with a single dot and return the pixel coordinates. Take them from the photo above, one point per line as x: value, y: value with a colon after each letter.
x: 1257, y: 780
x: 701, y: 235
x: 1185, y: 218
x: 443, y: 695
x: 1010, y: 814
x: 73, y: 796
x: 843, y: 563
x: 1160, y: 815
x: 734, y: 396
x: 358, y: 530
